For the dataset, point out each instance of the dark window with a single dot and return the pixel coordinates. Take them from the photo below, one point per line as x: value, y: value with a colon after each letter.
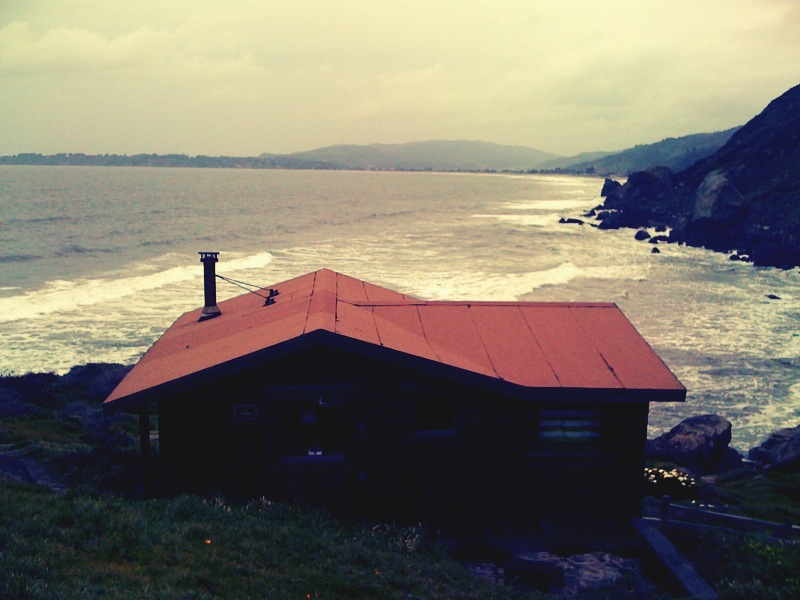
x: 433, y: 413
x: 313, y: 427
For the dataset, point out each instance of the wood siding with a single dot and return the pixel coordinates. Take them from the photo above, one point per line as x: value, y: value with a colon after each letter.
x: 370, y: 440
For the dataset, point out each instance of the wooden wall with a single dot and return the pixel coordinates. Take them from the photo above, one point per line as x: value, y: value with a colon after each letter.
x: 370, y: 440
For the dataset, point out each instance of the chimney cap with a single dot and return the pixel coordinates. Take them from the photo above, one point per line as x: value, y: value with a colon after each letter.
x: 210, y: 310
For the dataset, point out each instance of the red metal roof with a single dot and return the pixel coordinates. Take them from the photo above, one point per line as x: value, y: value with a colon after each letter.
x: 529, y: 345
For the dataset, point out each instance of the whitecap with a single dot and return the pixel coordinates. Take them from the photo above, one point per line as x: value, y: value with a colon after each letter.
x: 550, y: 205
x: 523, y: 220
x: 68, y: 296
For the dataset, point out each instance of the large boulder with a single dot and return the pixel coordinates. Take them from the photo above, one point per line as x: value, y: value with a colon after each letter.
x: 699, y: 443
x: 717, y: 201
x: 781, y: 449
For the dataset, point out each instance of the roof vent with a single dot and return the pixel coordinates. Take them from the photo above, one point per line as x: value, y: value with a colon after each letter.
x: 210, y: 310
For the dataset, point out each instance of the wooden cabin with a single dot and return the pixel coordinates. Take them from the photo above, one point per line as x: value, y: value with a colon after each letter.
x: 487, y: 419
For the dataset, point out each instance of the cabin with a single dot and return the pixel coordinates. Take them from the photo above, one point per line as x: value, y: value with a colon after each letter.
x: 476, y: 419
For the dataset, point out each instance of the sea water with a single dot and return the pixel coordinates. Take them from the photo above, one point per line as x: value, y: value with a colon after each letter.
x: 96, y: 262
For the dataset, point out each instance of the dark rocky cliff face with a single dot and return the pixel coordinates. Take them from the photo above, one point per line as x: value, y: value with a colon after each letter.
x: 745, y: 197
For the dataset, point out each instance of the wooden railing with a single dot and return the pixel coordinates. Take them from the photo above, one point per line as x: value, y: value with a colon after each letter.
x: 689, y: 515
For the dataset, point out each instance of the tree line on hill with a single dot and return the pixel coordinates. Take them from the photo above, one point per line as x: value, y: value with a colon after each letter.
x: 273, y: 161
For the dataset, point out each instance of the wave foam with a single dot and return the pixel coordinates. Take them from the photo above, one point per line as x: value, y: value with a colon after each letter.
x: 550, y: 205
x: 67, y: 296
x: 482, y: 286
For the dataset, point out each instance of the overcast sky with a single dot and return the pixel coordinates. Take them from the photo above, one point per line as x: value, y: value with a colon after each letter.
x: 243, y: 77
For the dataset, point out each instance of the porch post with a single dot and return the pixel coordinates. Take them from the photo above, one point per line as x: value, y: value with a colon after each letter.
x: 144, y: 447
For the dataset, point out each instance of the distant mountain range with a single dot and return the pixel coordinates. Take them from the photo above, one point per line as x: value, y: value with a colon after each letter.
x: 743, y: 197
x: 438, y: 155
x: 675, y: 153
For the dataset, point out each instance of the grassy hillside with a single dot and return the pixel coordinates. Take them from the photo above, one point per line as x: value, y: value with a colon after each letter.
x: 80, y: 544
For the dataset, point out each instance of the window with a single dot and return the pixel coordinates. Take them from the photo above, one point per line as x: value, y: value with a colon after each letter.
x: 569, y: 427
x: 433, y: 414
x: 314, y: 427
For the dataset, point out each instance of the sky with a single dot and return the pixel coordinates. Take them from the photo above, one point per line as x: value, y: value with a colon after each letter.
x: 243, y: 77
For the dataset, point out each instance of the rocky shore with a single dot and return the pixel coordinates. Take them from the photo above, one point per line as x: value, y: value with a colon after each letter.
x: 743, y: 199
x: 701, y: 444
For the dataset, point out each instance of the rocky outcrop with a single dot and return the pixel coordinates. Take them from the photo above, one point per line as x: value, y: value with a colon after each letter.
x: 745, y: 197
x: 609, y: 186
x: 570, y: 577
x: 781, y: 449
x: 699, y: 443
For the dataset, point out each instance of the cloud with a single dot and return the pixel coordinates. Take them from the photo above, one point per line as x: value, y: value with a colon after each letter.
x: 248, y: 76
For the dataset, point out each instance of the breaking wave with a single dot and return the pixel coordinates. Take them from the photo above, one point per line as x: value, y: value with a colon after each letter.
x: 61, y: 296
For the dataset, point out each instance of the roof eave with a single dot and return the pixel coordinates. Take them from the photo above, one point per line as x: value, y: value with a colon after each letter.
x: 322, y: 337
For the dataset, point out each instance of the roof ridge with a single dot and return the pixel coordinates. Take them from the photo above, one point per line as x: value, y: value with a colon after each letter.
x: 512, y: 303
x: 322, y: 302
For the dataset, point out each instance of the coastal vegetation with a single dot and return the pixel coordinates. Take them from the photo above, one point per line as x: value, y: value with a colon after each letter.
x: 83, y: 528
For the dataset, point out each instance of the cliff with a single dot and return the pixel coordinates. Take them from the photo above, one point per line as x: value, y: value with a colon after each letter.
x: 745, y: 197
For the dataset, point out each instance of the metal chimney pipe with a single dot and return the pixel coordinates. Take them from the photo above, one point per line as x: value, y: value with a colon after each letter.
x: 210, y: 310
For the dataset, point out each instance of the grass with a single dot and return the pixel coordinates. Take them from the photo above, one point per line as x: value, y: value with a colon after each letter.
x: 742, y: 566
x: 78, y: 545
x: 772, y: 495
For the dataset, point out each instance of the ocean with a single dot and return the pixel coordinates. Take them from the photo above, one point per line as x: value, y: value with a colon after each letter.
x: 96, y: 262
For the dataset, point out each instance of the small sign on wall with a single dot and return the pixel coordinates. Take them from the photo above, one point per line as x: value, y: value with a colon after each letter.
x: 245, y: 412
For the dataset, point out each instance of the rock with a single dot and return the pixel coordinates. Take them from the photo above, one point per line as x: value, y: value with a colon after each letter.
x: 781, y: 449
x: 16, y: 408
x: 655, y: 251
x: 699, y: 443
x: 773, y: 297
x: 571, y: 221
x: 645, y: 195
x: 775, y: 252
x: 642, y: 235
x: 593, y: 212
x: 609, y: 185
x: 568, y: 577
x: 658, y: 238
x: 613, y: 219
x: 717, y: 201
x: 13, y: 467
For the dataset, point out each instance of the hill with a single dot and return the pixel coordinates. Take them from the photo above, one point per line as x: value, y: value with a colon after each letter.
x: 675, y: 153
x: 744, y: 197
x: 438, y: 155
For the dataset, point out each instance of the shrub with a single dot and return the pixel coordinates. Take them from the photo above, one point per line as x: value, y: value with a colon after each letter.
x: 662, y: 482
